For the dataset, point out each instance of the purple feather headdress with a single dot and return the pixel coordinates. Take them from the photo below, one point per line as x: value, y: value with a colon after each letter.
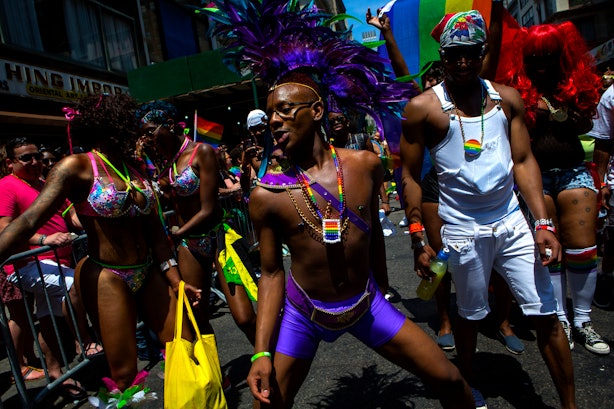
x: 276, y: 37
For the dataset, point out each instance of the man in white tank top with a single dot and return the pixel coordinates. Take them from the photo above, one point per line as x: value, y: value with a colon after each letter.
x: 479, y: 144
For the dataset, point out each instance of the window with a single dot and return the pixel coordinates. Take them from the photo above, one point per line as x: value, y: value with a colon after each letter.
x: 20, y: 24
x: 120, y: 42
x: 81, y: 30
x: 178, y: 30
x: 527, y: 18
x: 84, y: 34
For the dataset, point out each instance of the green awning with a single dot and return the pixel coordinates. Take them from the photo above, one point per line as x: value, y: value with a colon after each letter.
x: 195, y: 73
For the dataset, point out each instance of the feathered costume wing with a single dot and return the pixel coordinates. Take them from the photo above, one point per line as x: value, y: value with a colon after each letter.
x: 275, y: 37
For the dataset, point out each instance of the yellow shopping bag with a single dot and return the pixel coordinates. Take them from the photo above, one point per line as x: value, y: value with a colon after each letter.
x: 192, y: 375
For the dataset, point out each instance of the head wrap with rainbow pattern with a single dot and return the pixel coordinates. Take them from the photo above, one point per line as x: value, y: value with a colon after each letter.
x: 464, y: 28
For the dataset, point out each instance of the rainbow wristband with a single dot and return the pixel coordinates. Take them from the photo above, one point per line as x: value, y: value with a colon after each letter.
x: 260, y: 355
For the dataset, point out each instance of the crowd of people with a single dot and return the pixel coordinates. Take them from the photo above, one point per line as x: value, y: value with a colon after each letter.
x: 506, y: 191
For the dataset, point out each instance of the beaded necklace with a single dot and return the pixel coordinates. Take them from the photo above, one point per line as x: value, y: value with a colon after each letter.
x: 472, y: 147
x: 331, y: 227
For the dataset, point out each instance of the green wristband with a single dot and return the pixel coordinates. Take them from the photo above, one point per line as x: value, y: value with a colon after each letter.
x: 260, y: 355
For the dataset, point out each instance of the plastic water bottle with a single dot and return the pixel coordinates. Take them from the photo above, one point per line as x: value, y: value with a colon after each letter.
x: 387, y: 226
x: 439, y: 266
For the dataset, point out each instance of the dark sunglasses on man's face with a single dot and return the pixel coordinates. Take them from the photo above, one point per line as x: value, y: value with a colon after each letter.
x: 469, y: 52
x: 337, y: 120
x: 27, y: 157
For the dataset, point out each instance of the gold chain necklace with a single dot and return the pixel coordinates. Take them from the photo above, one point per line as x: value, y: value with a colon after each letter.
x: 472, y: 147
x: 557, y: 114
x: 318, y: 231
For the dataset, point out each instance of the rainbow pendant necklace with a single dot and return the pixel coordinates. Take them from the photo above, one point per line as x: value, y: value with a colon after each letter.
x: 331, y: 227
x: 472, y: 147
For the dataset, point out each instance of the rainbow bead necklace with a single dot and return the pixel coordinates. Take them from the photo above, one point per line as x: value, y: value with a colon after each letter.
x: 331, y: 228
x: 472, y: 147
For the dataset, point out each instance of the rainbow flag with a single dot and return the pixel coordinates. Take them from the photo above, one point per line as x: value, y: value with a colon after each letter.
x: 208, y: 131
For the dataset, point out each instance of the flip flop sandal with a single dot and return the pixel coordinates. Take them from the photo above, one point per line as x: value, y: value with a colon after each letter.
x: 72, y: 391
x: 31, y: 373
x: 95, y: 347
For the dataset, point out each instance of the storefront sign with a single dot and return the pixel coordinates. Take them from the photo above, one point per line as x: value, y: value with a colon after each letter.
x: 28, y: 80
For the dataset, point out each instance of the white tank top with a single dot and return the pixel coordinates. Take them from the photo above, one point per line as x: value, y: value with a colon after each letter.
x: 475, y: 188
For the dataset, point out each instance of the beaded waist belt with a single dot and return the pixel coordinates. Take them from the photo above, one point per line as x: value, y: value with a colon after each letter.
x: 337, y: 320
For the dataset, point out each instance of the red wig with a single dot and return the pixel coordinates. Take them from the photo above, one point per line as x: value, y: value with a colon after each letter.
x: 578, y: 83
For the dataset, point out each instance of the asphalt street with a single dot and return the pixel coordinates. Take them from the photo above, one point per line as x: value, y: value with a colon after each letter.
x: 346, y: 374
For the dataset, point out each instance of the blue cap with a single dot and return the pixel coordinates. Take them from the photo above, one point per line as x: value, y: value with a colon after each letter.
x: 443, y: 254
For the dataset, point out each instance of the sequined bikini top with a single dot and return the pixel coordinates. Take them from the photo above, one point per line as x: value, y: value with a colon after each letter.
x: 187, y: 182
x: 104, y: 200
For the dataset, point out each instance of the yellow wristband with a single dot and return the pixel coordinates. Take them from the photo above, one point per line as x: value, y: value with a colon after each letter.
x: 260, y: 355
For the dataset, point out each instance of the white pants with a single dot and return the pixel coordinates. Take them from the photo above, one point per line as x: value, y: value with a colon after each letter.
x: 508, y: 247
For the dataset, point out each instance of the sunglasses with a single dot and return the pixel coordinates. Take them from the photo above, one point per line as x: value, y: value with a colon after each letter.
x: 470, y: 53
x: 48, y: 161
x: 27, y: 157
x: 337, y: 120
x: 258, y: 128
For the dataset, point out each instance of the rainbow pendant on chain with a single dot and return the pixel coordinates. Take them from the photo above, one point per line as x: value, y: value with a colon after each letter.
x: 331, y: 228
x: 472, y: 147
x: 331, y: 231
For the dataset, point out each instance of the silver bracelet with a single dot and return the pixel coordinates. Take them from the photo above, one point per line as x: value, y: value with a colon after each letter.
x: 166, y: 265
x: 544, y: 222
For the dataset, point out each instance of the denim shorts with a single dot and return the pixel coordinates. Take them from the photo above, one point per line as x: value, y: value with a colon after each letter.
x: 557, y: 180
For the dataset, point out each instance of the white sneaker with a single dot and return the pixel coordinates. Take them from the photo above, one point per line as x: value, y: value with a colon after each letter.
x: 591, y: 340
x: 567, y: 330
x: 403, y: 222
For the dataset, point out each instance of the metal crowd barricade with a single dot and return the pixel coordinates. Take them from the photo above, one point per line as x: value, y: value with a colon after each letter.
x: 68, y: 368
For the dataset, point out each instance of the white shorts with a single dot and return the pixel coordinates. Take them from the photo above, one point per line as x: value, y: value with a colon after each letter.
x: 31, y: 281
x: 508, y: 247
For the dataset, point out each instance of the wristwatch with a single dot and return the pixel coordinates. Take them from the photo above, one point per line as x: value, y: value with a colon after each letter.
x: 418, y: 244
x: 166, y: 265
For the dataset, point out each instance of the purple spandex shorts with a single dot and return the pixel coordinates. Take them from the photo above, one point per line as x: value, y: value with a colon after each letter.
x: 299, y: 337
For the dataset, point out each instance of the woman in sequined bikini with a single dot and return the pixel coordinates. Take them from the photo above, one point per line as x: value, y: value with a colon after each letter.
x: 189, y: 177
x: 130, y: 265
